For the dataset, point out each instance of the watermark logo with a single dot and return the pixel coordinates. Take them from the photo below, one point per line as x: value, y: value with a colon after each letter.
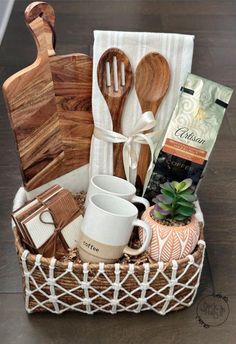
x: 213, y: 310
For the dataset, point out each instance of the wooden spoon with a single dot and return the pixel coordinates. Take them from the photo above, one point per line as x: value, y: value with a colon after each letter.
x: 152, y: 78
x: 115, y: 80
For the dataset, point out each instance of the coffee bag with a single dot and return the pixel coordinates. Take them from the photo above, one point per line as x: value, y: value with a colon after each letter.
x: 191, y: 133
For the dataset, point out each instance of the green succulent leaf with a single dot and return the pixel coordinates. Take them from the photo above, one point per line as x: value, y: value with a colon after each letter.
x: 180, y: 217
x: 174, y: 185
x: 188, y: 196
x: 168, y: 193
x: 179, y: 187
x: 186, y: 211
x: 167, y: 186
x: 185, y: 203
x: 161, y: 210
x: 186, y: 183
x: 164, y: 206
x: 157, y: 215
x: 164, y: 199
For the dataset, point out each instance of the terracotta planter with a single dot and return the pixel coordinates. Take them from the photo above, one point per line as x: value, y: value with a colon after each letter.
x: 171, y: 242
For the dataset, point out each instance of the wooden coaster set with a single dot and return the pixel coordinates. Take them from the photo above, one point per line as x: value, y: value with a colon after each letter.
x: 45, y: 228
x: 49, y: 106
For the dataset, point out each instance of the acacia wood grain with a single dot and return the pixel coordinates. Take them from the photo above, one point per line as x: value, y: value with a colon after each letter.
x: 46, y: 12
x: 152, y: 78
x: 115, y: 99
x: 72, y: 78
x: 30, y: 99
x: 49, y: 105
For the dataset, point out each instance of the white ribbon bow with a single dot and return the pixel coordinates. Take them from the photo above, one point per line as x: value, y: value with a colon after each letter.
x: 130, y: 158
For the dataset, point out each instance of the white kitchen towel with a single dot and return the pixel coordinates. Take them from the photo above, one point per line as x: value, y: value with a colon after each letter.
x: 178, y: 51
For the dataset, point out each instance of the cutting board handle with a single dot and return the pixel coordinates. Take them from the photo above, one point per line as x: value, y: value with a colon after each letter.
x: 42, y: 14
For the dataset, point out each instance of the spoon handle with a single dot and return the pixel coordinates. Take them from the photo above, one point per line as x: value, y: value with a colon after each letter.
x: 118, y: 164
x: 116, y: 106
x: 151, y: 83
x: 144, y: 157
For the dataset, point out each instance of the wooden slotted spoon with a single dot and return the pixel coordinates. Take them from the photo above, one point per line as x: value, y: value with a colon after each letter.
x: 115, y: 79
x: 152, y: 78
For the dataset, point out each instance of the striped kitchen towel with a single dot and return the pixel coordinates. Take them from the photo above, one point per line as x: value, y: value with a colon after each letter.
x: 178, y: 51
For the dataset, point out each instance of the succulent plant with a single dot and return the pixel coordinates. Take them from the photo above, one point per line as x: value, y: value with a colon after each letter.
x: 175, y: 201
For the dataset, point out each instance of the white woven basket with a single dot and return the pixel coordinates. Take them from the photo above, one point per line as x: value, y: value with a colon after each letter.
x: 53, y: 286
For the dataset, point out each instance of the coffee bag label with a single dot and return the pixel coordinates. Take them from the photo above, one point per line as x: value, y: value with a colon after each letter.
x: 184, y: 151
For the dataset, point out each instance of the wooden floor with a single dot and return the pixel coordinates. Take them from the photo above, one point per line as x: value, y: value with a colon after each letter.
x: 214, y: 24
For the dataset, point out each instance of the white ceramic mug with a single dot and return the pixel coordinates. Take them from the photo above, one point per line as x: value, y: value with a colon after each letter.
x: 107, y: 184
x: 107, y: 227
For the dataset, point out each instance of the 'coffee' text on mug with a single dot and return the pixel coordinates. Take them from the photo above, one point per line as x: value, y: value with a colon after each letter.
x: 90, y: 246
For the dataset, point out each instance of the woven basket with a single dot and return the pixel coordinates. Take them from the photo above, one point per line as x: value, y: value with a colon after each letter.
x: 55, y: 286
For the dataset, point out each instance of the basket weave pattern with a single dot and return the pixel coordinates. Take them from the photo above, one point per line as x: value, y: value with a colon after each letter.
x: 55, y: 286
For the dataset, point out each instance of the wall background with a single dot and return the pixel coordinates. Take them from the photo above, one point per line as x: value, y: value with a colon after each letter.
x: 5, y: 12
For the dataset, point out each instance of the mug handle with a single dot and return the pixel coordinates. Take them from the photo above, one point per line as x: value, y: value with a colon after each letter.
x: 148, y: 236
x: 142, y: 200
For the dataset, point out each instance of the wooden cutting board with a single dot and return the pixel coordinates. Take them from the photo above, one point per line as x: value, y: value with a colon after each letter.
x: 49, y: 105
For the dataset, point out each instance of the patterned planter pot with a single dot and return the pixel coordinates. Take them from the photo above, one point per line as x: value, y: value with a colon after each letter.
x: 171, y: 242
